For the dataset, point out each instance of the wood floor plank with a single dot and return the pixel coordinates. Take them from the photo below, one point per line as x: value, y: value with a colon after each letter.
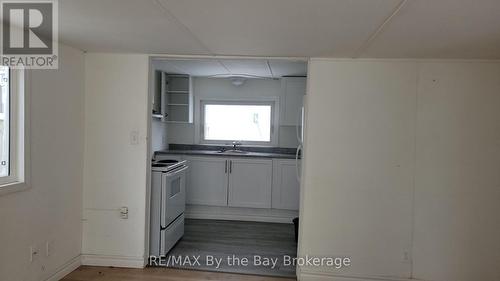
x: 242, y: 239
x: 94, y: 273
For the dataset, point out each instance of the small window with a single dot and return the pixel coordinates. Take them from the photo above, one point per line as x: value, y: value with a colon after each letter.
x: 248, y: 122
x: 4, y: 121
x: 14, y: 124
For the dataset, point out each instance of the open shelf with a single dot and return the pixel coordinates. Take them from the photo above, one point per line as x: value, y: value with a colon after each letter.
x: 173, y: 97
x: 179, y: 99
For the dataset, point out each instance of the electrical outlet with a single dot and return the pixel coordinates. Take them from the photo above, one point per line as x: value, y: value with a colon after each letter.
x: 49, y: 248
x: 124, y: 213
x: 33, y: 253
x: 406, y: 256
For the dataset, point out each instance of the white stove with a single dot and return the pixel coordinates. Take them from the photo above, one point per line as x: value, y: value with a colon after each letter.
x: 168, y: 202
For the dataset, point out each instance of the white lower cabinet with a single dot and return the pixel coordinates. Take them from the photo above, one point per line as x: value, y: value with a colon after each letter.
x: 250, y: 183
x: 206, y: 182
x: 242, y: 182
x: 286, y: 187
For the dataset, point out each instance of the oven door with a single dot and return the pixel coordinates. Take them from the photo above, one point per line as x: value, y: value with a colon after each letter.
x: 173, y: 195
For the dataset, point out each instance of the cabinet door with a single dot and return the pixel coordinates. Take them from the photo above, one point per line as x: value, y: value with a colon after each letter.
x: 294, y: 90
x: 206, y: 182
x: 286, y: 187
x: 157, y: 92
x: 250, y: 183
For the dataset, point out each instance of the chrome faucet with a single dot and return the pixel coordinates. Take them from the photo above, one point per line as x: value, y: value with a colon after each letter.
x: 235, y: 145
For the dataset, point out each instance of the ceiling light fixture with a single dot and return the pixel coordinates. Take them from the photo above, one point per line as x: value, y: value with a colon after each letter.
x: 238, y: 81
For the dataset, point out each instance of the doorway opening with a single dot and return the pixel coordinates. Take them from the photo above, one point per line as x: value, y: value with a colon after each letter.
x: 225, y: 148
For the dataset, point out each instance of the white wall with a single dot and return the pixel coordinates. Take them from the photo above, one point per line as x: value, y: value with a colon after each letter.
x: 223, y: 89
x: 115, y: 173
x: 457, y: 195
x: 359, y: 162
x: 51, y: 209
x: 383, y: 136
x: 158, y: 135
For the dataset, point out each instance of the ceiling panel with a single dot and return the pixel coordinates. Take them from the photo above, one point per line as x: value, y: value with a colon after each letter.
x: 288, y: 68
x: 224, y: 68
x: 282, y: 27
x: 333, y: 28
x: 248, y: 67
x: 124, y: 26
x: 441, y: 29
x: 192, y: 67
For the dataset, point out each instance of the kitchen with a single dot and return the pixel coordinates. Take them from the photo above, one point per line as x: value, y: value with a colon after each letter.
x: 225, y: 143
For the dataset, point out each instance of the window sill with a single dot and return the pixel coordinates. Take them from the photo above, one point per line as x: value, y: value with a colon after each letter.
x: 9, y: 188
x: 243, y: 144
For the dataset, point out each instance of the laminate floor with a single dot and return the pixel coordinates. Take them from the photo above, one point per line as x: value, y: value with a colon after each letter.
x: 231, y: 241
x: 93, y: 273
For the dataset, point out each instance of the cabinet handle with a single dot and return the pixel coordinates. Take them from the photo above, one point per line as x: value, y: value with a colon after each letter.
x: 230, y: 166
x: 225, y: 167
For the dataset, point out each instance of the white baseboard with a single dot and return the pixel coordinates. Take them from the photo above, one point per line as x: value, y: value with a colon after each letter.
x: 116, y: 261
x: 239, y: 214
x: 66, y: 269
x: 308, y: 275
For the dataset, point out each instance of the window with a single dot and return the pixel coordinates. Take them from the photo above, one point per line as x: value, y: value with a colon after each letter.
x: 14, y: 147
x: 248, y: 122
x: 4, y: 120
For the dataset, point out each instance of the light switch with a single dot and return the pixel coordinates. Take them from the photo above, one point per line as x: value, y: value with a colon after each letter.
x: 134, y: 137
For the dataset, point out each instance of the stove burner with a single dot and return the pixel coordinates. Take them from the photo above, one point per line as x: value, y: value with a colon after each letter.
x: 167, y: 161
x: 167, y: 165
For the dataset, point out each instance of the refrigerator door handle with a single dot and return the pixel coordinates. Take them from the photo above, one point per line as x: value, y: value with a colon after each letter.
x: 299, y: 124
x: 297, y: 170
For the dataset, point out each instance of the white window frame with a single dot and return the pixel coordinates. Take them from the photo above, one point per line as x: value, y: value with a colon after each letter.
x: 273, y: 102
x: 19, y: 119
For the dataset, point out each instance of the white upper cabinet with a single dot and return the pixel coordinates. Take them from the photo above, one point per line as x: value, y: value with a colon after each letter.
x: 173, y: 97
x: 250, y: 183
x: 294, y: 89
x: 159, y: 95
x: 207, y: 181
x: 286, y: 187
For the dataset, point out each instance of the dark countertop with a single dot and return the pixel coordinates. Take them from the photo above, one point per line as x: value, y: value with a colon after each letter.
x: 217, y: 153
x: 214, y: 150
